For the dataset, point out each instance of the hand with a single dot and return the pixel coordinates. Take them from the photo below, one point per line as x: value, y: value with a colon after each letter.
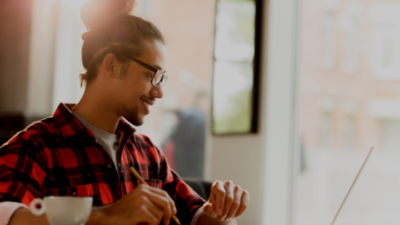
x: 144, y: 204
x: 227, y: 201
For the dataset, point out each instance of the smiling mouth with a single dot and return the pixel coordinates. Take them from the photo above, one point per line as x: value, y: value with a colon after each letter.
x: 146, y: 104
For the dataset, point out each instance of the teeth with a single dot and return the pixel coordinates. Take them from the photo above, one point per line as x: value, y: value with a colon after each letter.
x: 146, y: 104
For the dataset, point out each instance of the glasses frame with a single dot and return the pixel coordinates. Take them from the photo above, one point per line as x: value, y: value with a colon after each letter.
x: 164, y: 77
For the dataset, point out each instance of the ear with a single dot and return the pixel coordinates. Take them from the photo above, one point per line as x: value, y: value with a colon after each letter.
x: 110, y: 64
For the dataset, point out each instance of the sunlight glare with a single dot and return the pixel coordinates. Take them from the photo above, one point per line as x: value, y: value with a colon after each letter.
x: 73, y: 3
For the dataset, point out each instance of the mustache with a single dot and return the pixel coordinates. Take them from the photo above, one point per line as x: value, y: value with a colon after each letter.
x: 149, y: 98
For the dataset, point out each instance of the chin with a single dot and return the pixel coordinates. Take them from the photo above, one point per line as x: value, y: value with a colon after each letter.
x: 135, y: 120
x: 132, y: 116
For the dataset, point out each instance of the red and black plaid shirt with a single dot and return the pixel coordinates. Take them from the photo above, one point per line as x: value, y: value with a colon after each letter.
x: 58, y: 156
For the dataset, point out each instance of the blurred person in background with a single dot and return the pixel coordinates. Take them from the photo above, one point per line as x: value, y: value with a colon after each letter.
x: 86, y: 149
x: 185, y: 145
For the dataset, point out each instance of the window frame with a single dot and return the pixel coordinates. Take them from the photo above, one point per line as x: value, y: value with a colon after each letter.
x: 255, y: 93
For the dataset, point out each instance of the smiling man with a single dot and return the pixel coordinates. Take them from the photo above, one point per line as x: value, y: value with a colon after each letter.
x: 86, y: 149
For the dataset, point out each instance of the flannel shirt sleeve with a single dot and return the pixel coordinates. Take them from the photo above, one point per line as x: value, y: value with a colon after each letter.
x: 187, y: 201
x: 22, y: 171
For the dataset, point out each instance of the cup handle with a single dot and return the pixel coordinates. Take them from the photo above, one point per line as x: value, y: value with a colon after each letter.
x: 36, y: 211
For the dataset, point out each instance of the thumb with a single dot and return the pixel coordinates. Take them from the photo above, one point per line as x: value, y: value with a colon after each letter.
x: 208, y: 209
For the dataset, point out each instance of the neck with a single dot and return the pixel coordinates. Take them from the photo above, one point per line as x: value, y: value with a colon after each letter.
x: 93, y: 109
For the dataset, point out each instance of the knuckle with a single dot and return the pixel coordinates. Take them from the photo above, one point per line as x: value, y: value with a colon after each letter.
x: 140, y: 200
x: 143, y: 199
x: 229, y: 182
x: 214, y: 186
x: 221, y: 192
x: 246, y: 193
x: 166, y: 204
x: 236, y: 203
x: 143, y: 208
x: 229, y: 198
x: 166, y: 195
x: 165, y: 201
x: 216, y: 183
x: 142, y: 189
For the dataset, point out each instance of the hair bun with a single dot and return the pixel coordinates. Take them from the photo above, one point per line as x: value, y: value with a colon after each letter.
x: 99, y: 11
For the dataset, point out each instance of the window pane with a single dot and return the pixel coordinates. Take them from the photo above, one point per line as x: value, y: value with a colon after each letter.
x: 350, y: 102
x: 233, y: 66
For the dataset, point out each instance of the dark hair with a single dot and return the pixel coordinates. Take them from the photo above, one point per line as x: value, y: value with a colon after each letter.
x: 112, y: 29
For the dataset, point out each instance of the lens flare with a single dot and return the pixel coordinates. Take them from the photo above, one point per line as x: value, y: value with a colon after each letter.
x: 74, y: 3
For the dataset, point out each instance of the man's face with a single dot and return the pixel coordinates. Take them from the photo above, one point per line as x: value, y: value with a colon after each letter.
x: 134, y: 92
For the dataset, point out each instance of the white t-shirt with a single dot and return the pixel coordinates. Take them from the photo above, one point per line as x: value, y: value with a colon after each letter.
x: 109, y: 141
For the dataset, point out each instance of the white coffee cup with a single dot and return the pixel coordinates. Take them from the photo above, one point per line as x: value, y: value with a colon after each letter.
x: 61, y: 210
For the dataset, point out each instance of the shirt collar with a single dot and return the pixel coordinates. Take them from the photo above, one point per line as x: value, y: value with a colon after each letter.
x: 70, y: 126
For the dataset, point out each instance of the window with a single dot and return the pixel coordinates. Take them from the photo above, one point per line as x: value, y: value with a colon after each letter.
x: 391, y: 140
x: 385, y: 44
x: 350, y: 24
x: 235, y: 67
x: 329, y: 41
x: 327, y: 130
x: 360, y: 112
x: 349, y: 128
x: 350, y: 111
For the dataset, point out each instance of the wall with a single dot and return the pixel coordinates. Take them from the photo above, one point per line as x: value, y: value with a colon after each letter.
x: 238, y: 159
x: 263, y: 163
x: 14, y: 54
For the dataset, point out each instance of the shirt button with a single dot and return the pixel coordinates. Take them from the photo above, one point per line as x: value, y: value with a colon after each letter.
x: 109, y: 165
x: 74, y: 193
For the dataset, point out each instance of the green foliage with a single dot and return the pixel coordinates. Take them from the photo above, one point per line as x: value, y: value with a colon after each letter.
x: 237, y: 118
x: 243, y: 16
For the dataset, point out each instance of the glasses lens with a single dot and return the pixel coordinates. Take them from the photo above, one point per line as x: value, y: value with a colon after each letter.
x: 164, y: 79
x: 157, y: 78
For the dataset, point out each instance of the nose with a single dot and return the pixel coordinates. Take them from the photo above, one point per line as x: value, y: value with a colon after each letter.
x: 157, y: 92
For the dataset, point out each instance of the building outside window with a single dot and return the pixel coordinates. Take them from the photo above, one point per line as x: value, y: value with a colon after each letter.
x: 366, y: 112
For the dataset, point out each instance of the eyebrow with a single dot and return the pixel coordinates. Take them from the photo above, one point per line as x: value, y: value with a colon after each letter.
x: 159, y: 68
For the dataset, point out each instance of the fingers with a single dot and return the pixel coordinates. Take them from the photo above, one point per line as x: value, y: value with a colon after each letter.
x: 147, y: 216
x: 218, y: 194
x: 162, y: 200
x: 229, y: 198
x: 166, y: 195
x: 208, y: 209
x: 153, y: 214
x: 244, y: 203
x: 238, y: 191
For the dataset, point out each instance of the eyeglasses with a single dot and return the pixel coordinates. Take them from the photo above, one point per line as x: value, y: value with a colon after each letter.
x: 158, y: 78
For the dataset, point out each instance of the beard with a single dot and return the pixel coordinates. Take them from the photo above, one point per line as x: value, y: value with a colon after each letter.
x: 131, y: 115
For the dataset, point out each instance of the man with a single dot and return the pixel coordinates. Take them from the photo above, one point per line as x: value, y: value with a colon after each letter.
x: 86, y: 149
